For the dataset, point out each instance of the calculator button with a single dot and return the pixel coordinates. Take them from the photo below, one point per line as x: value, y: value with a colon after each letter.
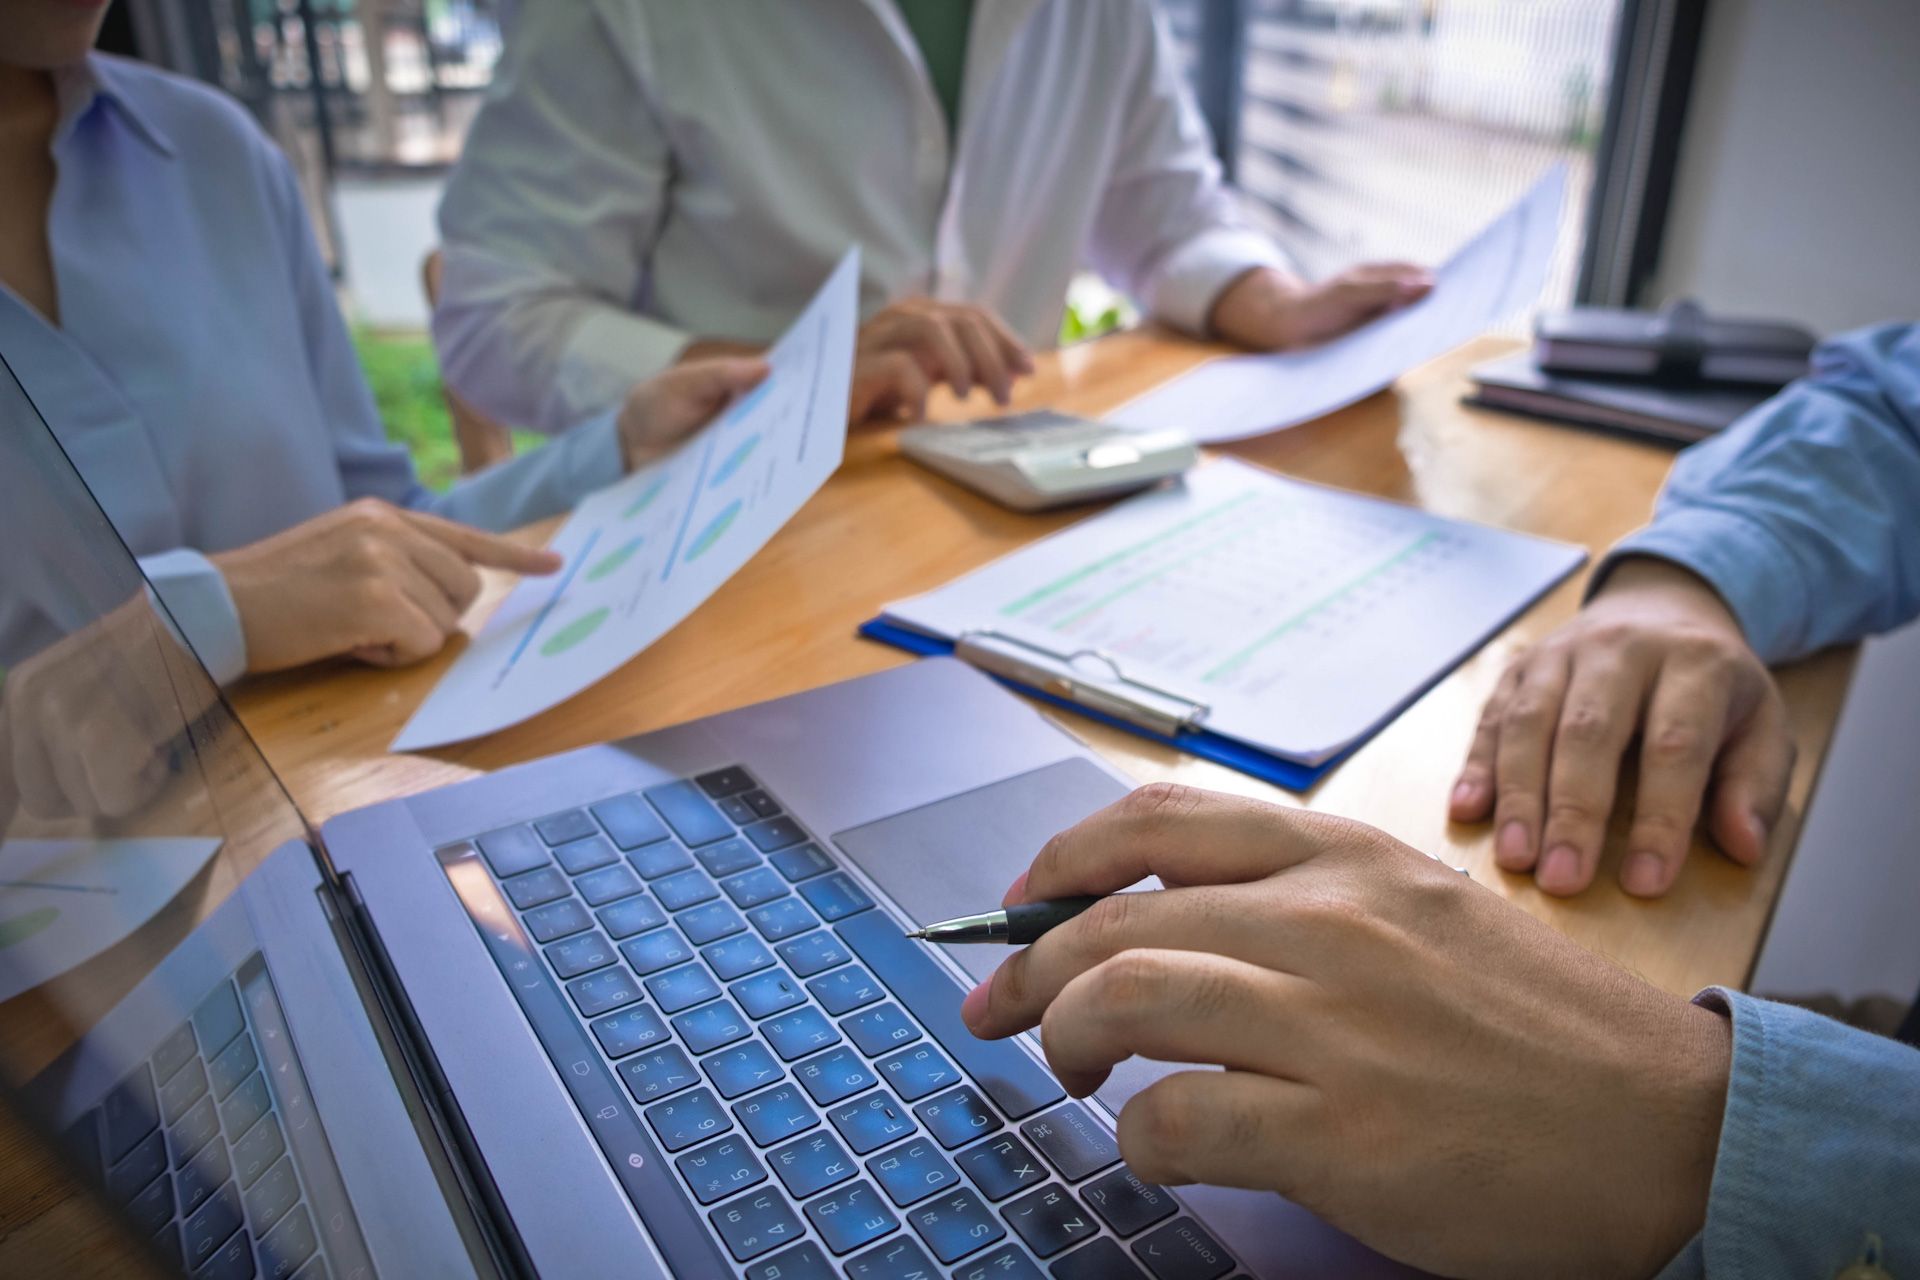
x: 1050, y: 1219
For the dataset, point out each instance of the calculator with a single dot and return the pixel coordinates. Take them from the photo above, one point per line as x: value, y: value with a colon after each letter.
x: 1033, y: 461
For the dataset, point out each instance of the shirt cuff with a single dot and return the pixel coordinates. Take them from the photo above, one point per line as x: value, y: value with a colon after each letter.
x: 594, y: 457
x: 605, y: 356
x: 1193, y: 276
x: 199, y: 610
x: 1740, y: 559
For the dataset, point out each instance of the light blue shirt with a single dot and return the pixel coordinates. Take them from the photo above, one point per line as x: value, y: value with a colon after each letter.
x: 201, y: 377
x: 1805, y: 516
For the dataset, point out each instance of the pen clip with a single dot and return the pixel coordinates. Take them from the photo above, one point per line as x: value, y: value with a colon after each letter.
x: 1137, y: 702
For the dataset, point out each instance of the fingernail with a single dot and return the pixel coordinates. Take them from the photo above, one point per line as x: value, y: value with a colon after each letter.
x: 1015, y: 891
x: 1758, y: 825
x: 974, y: 1007
x: 1465, y: 793
x: 1512, y: 848
x: 1560, y: 869
x: 1644, y: 875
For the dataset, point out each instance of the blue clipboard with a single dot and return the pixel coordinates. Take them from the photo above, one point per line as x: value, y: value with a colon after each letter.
x: 1197, y: 742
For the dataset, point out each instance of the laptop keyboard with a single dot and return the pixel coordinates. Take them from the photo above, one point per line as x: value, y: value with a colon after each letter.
x: 193, y: 1144
x: 778, y: 1077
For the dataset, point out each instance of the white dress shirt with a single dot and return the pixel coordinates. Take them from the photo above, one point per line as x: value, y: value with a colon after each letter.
x: 649, y: 171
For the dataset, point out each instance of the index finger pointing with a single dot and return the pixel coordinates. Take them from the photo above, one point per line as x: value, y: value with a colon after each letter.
x: 489, y: 549
x: 1181, y: 834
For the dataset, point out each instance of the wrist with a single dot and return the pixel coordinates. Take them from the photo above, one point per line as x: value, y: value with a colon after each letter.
x: 1254, y: 308
x: 1647, y: 577
x: 1695, y: 1076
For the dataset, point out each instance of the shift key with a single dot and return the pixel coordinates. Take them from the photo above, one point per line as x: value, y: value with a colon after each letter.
x: 1019, y: 1084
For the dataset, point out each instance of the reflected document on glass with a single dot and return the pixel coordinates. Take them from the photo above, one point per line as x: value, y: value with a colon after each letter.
x: 1495, y: 275
x: 642, y: 554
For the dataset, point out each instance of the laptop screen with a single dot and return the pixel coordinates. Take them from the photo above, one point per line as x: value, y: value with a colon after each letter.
x: 132, y: 804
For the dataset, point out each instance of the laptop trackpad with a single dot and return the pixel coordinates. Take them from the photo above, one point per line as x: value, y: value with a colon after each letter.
x: 958, y: 855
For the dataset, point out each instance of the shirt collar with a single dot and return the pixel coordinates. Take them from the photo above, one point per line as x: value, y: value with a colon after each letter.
x: 98, y: 80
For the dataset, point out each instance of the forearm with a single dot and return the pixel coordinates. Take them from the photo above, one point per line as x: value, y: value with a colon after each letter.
x: 538, y: 484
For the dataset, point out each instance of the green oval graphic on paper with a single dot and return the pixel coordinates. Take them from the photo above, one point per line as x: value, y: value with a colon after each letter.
x: 711, y: 534
x: 734, y: 461
x: 645, y: 500
x: 22, y: 927
x: 573, y: 633
x: 612, y: 561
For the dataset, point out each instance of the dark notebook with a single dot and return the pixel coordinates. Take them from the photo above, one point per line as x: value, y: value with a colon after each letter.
x: 1678, y: 415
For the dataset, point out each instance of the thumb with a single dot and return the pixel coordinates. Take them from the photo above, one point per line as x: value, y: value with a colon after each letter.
x: 1750, y: 784
x: 488, y: 549
x: 716, y: 381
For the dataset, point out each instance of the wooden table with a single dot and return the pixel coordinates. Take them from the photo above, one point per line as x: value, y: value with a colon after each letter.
x: 883, y: 529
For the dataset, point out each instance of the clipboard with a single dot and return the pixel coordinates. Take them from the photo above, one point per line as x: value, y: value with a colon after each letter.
x: 1145, y: 710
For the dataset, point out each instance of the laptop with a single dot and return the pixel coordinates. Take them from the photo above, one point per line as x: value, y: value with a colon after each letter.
x: 644, y: 1009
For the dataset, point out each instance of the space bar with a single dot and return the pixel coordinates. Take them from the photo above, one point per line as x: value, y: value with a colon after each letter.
x: 1018, y: 1083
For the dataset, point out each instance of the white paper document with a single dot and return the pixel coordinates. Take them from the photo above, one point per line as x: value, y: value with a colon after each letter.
x: 62, y: 902
x: 644, y: 553
x: 1499, y: 271
x: 1300, y: 618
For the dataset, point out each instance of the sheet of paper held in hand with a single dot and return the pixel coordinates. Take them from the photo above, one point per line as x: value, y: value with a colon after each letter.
x: 1302, y: 617
x: 644, y: 553
x: 1494, y: 276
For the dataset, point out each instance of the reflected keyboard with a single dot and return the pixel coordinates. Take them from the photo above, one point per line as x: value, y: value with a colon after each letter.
x: 778, y: 1077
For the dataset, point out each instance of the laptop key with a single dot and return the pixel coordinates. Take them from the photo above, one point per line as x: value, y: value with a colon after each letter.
x: 1049, y: 1220
x: 738, y: 811
x: 577, y: 857
x: 272, y: 1196
x: 629, y: 1031
x: 582, y: 953
x: 1001, y: 1167
x: 682, y: 988
x: 956, y: 1224
x: 255, y: 1153
x: 690, y: 814
x: 173, y: 1052
x: 719, y: 1169
x: 565, y: 828
x: 875, y: 1031
x: 1001, y: 1068
x: 535, y: 888
x: 603, y: 992
x: 147, y: 1162
x: 899, y: 1259
x: 803, y: 1262
x: 851, y: 1217
x: 1004, y: 1263
x: 753, y: 1224
x: 233, y: 1065
x: 656, y: 860
x: 833, y: 1075
x: 186, y: 1088
x: 711, y: 1026
x: 775, y: 833
x: 202, y: 1176
x: 1128, y: 1204
x: 1103, y: 1259
x: 1071, y: 1141
x: 629, y: 916
x: 652, y: 952
x: 762, y: 804
x: 768, y: 993
x: 741, y: 1069
x: 800, y: 862
x: 608, y: 884
x: 231, y: 1261
x: 130, y: 1113
x: 811, y: 1164
x: 912, y: 1171
x: 812, y: 953
x: 684, y: 889
x: 782, y: 918
x: 710, y: 922
x: 245, y: 1105
x: 1182, y: 1251
x: 152, y: 1207
x: 687, y: 1119
x: 198, y: 1127
x: 658, y: 1074
x: 916, y: 1072
x: 778, y: 1113
x: 724, y: 782
x: 287, y: 1246
x: 957, y: 1118
x: 557, y: 920
x: 737, y: 957
x: 751, y: 888
x: 800, y: 1032
x: 630, y: 822
x: 870, y: 1123
x: 209, y: 1226
x: 729, y: 857
x: 835, y: 896
x: 512, y: 850
x: 845, y: 990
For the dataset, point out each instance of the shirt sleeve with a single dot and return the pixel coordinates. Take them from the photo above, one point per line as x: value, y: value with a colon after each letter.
x: 200, y: 610
x: 1168, y: 230
x: 547, y: 223
x: 1805, y: 515
x: 1817, y: 1149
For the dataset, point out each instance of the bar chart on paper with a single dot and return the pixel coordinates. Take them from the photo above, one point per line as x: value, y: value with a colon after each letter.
x: 644, y: 553
x: 1299, y: 617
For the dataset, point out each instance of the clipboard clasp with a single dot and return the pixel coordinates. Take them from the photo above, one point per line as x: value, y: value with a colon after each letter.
x: 1138, y: 703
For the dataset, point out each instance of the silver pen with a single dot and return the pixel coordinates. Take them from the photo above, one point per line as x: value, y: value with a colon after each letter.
x: 1014, y: 926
